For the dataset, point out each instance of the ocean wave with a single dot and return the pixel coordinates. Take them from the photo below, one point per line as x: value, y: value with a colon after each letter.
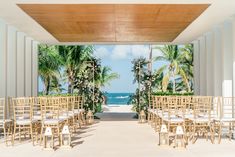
x: 122, y: 97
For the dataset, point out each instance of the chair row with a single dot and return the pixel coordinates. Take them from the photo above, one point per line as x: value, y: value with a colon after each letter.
x: 192, y: 116
x: 32, y: 115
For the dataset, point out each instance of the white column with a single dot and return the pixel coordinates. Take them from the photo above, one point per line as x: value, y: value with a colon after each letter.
x: 217, y: 40
x: 3, y: 58
x: 209, y: 64
x: 28, y: 66
x: 196, y: 67
x: 233, y: 43
x: 34, y: 68
x: 227, y: 59
x: 20, y: 64
x: 202, y: 49
x: 11, y: 61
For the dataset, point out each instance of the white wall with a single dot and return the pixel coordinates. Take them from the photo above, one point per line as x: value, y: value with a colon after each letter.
x: 11, y: 61
x: 3, y: 58
x: 217, y: 57
x: 202, y: 61
x: 196, y: 67
x: 18, y: 63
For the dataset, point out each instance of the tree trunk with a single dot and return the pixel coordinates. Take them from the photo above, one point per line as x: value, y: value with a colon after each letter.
x: 150, y: 59
x: 173, y: 75
x: 47, y: 84
x: 188, y: 87
x: 70, y: 82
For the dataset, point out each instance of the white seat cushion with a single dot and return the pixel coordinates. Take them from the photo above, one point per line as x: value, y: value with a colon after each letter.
x: 52, y: 121
x: 201, y: 120
x: 24, y: 121
x: 37, y: 117
x: 225, y: 119
x: 5, y: 121
x: 81, y: 110
x: 174, y: 120
x: 189, y: 116
x: 76, y: 111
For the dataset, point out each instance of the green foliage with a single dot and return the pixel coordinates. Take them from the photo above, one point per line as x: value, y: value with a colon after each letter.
x: 105, y: 76
x: 179, y: 65
x: 77, y: 67
x: 173, y: 78
x: 49, y: 63
x: 173, y: 94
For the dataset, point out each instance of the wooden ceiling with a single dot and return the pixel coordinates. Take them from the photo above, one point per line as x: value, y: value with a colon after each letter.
x: 114, y: 22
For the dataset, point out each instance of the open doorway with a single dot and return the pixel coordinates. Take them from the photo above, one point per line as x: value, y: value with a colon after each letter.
x: 115, y: 78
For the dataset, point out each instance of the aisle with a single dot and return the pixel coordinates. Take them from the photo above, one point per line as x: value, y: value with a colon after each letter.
x: 118, y: 135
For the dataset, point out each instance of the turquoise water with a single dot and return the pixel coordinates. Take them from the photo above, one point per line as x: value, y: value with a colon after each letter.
x: 118, y: 98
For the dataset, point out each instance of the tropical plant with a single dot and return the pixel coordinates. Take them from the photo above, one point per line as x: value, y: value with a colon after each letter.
x: 144, y: 79
x: 72, y: 58
x: 174, y: 68
x: 49, y: 63
x: 105, y: 76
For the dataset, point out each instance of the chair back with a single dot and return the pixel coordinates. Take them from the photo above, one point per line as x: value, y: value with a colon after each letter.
x: 2, y: 110
x: 216, y: 107
x: 174, y: 108
x: 78, y: 102
x: 22, y: 108
x: 63, y: 105
x: 227, y: 107
x: 51, y: 108
x: 71, y: 100
x: 202, y: 107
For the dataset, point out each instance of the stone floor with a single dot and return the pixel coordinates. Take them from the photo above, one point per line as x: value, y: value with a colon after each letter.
x: 119, y: 135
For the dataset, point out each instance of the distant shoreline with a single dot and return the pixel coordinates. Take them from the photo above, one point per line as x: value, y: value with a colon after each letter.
x: 118, y: 104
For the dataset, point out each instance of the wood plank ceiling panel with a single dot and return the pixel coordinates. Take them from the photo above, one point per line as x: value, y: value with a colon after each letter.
x: 114, y: 22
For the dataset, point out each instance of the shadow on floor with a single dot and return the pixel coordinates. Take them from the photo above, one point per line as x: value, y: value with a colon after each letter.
x: 117, y: 116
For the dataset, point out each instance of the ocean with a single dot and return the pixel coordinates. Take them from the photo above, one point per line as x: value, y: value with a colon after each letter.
x: 117, y: 98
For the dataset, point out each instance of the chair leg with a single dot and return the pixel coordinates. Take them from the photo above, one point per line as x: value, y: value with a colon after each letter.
x: 220, y: 132
x: 58, y: 133
x: 4, y: 132
x: 14, y: 133
x: 42, y: 127
x: 31, y: 133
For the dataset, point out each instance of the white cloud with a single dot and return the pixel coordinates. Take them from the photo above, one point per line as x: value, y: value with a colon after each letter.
x: 140, y: 51
x: 120, y: 52
x: 101, y: 52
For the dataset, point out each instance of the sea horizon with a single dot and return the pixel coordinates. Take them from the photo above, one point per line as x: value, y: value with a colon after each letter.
x: 117, y: 98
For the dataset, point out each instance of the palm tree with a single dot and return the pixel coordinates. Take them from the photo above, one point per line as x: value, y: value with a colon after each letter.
x: 49, y: 66
x: 72, y: 58
x: 174, y: 67
x: 105, y: 76
x: 188, y: 62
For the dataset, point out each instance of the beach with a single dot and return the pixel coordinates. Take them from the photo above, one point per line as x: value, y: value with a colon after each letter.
x: 117, y: 108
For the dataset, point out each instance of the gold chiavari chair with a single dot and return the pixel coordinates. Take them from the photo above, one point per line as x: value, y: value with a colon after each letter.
x: 51, y: 116
x: 23, y: 122
x: 173, y: 117
x: 37, y: 115
x: 202, y: 123
x: 64, y: 109
x: 5, y: 123
x: 79, y: 109
x: 157, y: 112
x: 151, y: 109
x: 226, y: 119
x: 186, y: 103
x: 75, y: 123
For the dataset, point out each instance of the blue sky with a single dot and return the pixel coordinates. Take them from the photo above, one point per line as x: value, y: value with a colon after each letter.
x: 119, y: 58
